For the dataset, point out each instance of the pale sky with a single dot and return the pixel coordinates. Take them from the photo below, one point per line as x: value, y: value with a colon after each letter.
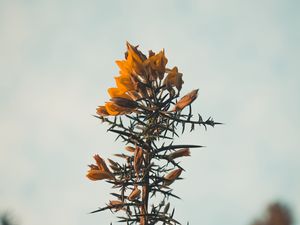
x: 57, y: 61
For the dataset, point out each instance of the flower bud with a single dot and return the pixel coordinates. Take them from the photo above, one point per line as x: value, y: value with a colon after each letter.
x: 135, y: 194
x: 99, y: 175
x: 130, y: 149
x: 179, y: 153
x: 172, y: 176
x: 186, y: 100
x: 116, y: 204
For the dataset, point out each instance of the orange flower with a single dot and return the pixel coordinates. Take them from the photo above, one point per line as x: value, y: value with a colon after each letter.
x: 136, y: 54
x: 124, y: 83
x: 114, y: 110
x: 135, y: 194
x: 157, y: 63
x: 186, y: 100
x: 179, y: 153
x: 135, y: 60
x: 101, y: 111
x: 100, y: 171
x: 125, y: 67
x: 172, y: 176
x: 174, y: 79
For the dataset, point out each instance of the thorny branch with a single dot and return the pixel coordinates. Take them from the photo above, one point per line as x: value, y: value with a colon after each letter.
x: 144, y: 109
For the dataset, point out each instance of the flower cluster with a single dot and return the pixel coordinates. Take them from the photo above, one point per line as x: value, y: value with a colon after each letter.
x: 136, y: 73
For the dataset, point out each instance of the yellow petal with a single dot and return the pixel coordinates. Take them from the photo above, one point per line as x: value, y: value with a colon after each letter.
x: 117, y: 92
x: 125, y: 67
x: 124, y: 83
x: 134, y: 60
x: 157, y: 63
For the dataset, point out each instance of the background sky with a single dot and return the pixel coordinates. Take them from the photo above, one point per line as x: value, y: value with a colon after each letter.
x: 57, y: 61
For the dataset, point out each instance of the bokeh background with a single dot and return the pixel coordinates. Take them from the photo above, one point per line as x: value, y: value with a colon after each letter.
x: 57, y: 61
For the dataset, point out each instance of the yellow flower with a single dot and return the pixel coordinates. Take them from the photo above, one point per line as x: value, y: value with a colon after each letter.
x: 117, y: 92
x: 125, y: 67
x: 172, y: 176
x: 186, y: 100
x: 137, y: 55
x: 100, y: 171
x: 174, y: 79
x: 133, y: 65
x: 124, y: 83
x: 157, y: 63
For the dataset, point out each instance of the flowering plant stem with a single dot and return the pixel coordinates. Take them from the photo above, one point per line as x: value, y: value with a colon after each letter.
x: 146, y: 114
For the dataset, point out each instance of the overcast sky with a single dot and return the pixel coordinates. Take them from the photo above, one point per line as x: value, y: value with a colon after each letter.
x: 57, y: 61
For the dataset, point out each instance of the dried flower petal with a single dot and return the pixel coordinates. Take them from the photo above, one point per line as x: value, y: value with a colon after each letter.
x: 172, y: 176
x: 186, y: 100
